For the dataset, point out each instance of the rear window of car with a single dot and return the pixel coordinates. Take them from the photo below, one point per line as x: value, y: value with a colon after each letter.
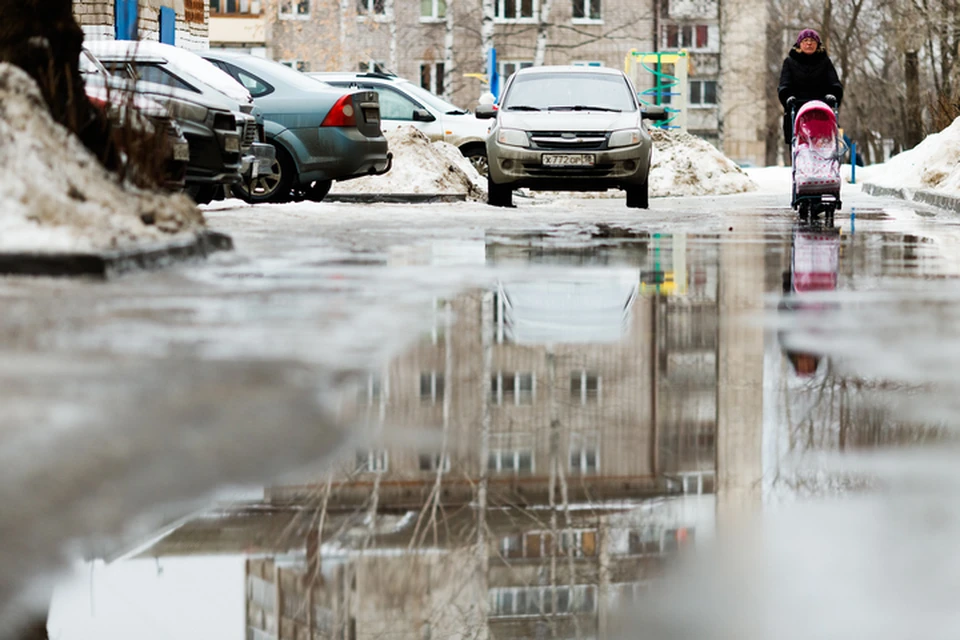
x: 156, y: 73
x: 570, y: 89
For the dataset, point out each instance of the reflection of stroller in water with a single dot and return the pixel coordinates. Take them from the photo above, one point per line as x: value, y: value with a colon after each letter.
x: 814, y: 266
x: 816, y: 148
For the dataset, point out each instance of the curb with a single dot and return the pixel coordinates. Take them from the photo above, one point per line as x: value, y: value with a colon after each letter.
x: 399, y: 198
x: 931, y: 197
x: 108, y: 263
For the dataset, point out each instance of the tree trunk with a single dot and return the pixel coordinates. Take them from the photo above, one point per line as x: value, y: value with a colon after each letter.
x: 448, y: 61
x: 914, y: 125
x: 43, y: 38
x: 542, y: 32
x: 486, y: 31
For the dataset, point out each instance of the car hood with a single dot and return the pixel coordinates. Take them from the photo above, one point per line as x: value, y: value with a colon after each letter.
x: 568, y: 120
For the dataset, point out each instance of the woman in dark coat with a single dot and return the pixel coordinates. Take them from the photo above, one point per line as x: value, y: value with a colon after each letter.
x: 807, y: 74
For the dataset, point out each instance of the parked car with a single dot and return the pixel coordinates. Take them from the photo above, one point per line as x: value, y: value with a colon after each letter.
x: 569, y: 129
x: 184, y: 76
x: 403, y: 102
x: 129, y: 111
x: 321, y: 133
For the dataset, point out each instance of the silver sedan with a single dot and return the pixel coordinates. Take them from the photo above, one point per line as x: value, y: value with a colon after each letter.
x: 569, y: 129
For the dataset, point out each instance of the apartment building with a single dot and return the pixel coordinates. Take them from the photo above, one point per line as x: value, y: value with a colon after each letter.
x: 179, y: 22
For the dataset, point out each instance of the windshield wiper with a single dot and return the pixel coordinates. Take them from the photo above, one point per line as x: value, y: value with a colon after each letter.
x: 583, y: 107
x: 522, y: 107
x: 457, y: 112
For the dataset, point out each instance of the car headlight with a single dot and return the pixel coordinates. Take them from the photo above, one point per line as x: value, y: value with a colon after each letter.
x: 625, y: 138
x: 183, y: 110
x: 513, y: 138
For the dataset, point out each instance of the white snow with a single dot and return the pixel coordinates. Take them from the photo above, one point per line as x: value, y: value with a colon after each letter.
x: 56, y: 197
x: 420, y: 167
x: 685, y: 165
x: 932, y: 164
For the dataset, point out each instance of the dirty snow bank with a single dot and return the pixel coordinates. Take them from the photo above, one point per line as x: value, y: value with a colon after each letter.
x: 420, y: 166
x: 685, y: 165
x: 56, y: 197
x: 932, y: 164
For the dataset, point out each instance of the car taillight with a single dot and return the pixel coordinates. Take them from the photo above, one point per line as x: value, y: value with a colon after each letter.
x: 342, y: 114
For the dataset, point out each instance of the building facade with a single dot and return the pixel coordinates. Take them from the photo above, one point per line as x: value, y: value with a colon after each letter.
x: 183, y: 23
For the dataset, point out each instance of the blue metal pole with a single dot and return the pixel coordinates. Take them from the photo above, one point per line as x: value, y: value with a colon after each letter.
x: 853, y: 163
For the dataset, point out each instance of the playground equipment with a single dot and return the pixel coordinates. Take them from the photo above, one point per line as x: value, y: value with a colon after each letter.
x: 661, y: 80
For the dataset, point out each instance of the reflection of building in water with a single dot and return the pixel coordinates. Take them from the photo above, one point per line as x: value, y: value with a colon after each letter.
x: 598, y: 398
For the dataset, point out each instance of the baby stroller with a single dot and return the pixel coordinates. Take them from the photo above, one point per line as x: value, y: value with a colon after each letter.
x: 816, y: 148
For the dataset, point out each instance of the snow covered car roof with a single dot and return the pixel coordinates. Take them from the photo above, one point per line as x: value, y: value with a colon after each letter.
x: 206, y: 72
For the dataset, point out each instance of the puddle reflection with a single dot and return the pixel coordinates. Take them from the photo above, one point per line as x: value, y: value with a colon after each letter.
x: 583, y: 433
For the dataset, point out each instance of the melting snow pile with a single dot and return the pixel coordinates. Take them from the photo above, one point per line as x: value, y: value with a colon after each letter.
x: 422, y: 167
x: 932, y: 164
x: 56, y: 197
x: 685, y: 165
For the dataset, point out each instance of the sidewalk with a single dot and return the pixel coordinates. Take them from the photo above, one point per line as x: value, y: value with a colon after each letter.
x: 939, y: 199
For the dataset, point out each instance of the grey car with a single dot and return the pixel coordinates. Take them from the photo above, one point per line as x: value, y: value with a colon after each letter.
x: 569, y: 129
x: 321, y: 133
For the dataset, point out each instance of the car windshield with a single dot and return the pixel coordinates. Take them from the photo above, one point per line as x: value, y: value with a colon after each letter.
x: 90, y: 65
x: 433, y: 100
x: 569, y: 90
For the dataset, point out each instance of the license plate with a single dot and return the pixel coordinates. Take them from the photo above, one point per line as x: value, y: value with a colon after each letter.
x: 371, y: 116
x: 231, y: 144
x: 568, y: 159
x: 181, y: 151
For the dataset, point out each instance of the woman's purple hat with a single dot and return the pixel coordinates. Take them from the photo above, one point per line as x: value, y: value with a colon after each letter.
x: 808, y: 33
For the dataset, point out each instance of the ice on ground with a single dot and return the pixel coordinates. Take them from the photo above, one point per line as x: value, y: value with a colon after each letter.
x: 685, y: 165
x: 56, y: 197
x: 420, y: 167
x: 932, y: 164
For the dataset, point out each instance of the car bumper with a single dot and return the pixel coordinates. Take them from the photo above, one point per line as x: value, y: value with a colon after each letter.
x: 612, y: 168
x: 257, y: 161
x: 210, y: 162
x: 337, y: 153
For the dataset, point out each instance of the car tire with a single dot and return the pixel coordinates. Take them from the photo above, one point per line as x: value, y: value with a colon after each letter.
x: 318, y: 190
x: 499, y: 195
x: 286, y: 170
x: 638, y: 196
x: 261, y: 189
x: 477, y: 155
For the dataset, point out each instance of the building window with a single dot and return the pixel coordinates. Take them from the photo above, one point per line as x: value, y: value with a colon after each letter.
x: 371, y: 7
x: 232, y: 7
x: 435, y: 462
x: 697, y: 483
x: 686, y: 36
x: 431, y: 387
x: 515, y: 10
x: 433, y: 10
x: 372, y: 461
x: 512, y: 388
x: 431, y: 77
x: 580, y: 543
x: 537, y: 601
x: 509, y: 67
x: 656, y: 541
x: 519, y: 461
x: 587, y: 63
x: 584, y: 459
x: 703, y: 92
x: 584, y: 387
x: 586, y: 10
x: 294, y: 8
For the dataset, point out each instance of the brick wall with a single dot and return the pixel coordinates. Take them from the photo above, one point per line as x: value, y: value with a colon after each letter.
x: 96, y: 18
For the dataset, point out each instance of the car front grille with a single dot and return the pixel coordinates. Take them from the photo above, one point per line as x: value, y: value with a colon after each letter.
x: 571, y: 140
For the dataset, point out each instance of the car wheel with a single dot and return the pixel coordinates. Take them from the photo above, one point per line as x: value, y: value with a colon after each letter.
x: 499, y: 195
x: 638, y: 196
x: 319, y: 190
x: 477, y: 155
x: 260, y: 189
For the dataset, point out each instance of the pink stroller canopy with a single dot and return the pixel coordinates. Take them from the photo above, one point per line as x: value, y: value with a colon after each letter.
x: 815, y: 121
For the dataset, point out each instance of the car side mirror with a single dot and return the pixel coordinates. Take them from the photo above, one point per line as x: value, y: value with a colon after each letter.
x: 422, y: 115
x: 654, y: 113
x: 486, y: 111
